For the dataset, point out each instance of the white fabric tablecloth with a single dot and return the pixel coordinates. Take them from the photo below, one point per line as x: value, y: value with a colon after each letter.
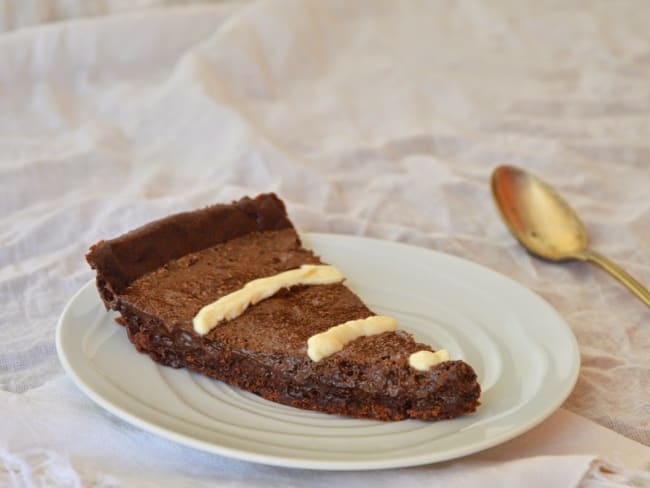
x: 376, y: 118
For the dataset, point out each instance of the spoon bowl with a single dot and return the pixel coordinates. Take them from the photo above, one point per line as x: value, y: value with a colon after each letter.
x: 546, y: 225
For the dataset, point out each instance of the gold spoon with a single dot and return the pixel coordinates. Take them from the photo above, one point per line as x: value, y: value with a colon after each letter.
x: 546, y: 226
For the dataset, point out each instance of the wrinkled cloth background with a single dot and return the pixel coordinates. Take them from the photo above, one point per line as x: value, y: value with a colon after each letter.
x: 373, y: 118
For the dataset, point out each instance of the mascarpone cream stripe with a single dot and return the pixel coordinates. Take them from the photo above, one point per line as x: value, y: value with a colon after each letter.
x: 234, y: 304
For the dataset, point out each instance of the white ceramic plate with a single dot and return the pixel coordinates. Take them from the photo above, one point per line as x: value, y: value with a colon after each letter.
x: 525, y: 356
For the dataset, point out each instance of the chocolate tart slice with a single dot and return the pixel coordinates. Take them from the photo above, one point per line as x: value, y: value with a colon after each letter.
x: 160, y: 275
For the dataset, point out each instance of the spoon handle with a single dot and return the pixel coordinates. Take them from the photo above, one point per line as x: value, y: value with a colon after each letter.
x: 619, y: 273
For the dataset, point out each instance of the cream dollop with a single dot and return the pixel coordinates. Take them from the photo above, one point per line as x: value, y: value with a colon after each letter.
x: 234, y: 304
x: 424, y: 360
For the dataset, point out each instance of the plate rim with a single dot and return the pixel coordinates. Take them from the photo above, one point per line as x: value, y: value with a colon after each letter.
x: 338, y: 465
